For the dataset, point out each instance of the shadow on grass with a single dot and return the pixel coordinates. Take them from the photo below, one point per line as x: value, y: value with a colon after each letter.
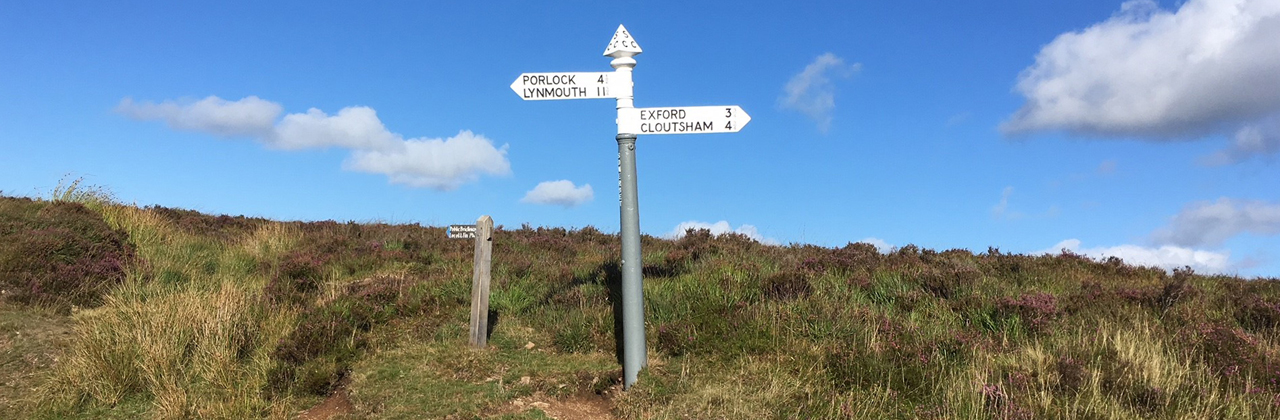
x: 608, y: 274
x: 494, y: 318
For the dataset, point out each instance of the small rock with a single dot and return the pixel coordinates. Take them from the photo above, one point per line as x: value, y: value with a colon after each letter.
x: 525, y: 380
x: 529, y: 346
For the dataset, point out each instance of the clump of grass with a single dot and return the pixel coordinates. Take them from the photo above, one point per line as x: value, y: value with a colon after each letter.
x: 1035, y: 311
x: 73, y: 191
x: 676, y: 338
x: 296, y: 280
x: 220, y: 227
x: 949, y: 281
x: 318, y: 353
x: 189, y: 349
x: 189, y: 352
x: 787, y: 285
x: 31, y: 340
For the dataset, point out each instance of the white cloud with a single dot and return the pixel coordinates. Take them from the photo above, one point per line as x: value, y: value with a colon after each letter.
x: 1258, y: 139
x: 1167, y: 257
x: 1205, y: 223
x: 356, y: 127
x: 1206, y: 68
x: 561, y: 193
x: 434, y: 163
x: 248, y: 117
x: 720, y: 228
x: 812, y: 93
x: 958, y: 119
x: 880, y: 244
x: 1107, y: 167
x: 442, y: 164
x: 1001, y: 209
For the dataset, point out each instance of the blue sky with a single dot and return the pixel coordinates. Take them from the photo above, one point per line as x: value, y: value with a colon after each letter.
x: 1146, y: 130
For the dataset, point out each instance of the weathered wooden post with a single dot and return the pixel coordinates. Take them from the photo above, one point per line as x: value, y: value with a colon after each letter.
x: 482, y: 231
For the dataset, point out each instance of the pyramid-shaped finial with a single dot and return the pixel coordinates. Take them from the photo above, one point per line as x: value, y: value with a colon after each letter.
x: 622, y: 44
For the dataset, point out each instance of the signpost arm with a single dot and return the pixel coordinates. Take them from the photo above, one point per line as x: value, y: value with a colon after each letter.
x: 634, y: 354
x: 480, y: 282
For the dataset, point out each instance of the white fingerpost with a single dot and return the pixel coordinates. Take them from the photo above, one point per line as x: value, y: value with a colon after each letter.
x: 631, y: 122
x: 634, y: 354
x: 563, y: 85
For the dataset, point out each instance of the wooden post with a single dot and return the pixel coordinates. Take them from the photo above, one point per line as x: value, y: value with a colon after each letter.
x: 480, y: 283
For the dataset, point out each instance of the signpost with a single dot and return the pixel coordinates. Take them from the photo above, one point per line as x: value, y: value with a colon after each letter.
x: 683, y: 120
x: 482, y: 232
x: 631, y: 122
x: 461, y: 231
x: 548, y: 86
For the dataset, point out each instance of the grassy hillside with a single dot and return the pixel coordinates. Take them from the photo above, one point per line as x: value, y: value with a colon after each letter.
x: 167, y: 313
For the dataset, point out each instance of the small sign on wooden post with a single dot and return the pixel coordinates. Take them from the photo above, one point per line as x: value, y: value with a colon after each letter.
x: 461, y: 231
x: 482, y: 231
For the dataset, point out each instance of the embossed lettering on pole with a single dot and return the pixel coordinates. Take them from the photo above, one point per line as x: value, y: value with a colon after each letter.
x: 631, y: 122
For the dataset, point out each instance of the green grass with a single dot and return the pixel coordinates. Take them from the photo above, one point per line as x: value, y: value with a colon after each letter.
x: 444, y: 377
x: 234, y: 317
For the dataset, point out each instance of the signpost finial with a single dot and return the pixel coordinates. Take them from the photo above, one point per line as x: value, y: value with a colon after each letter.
x: 622, y: 44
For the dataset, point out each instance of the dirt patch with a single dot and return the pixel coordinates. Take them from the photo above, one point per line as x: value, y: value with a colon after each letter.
x: 337, y: 404
x: 578, y: 407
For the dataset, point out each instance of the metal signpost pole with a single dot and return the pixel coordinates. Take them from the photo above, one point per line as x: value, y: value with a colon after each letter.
x: 634, y: 355
x: 631, y: 121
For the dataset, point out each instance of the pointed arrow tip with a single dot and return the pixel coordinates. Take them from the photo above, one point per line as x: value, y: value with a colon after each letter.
x: 622, y: 44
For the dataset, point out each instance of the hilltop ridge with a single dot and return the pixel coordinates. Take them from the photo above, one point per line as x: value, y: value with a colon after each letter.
x: 179, y: 314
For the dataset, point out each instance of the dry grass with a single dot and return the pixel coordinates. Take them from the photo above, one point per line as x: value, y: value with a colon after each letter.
x: 196, y: 342
x: 228, y: 317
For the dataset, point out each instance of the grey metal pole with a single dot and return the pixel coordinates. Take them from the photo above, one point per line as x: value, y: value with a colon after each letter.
x: 623, y: 49
x: 634, y: 356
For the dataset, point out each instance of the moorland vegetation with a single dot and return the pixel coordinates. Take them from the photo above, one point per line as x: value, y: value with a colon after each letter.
x: 119, y: 311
